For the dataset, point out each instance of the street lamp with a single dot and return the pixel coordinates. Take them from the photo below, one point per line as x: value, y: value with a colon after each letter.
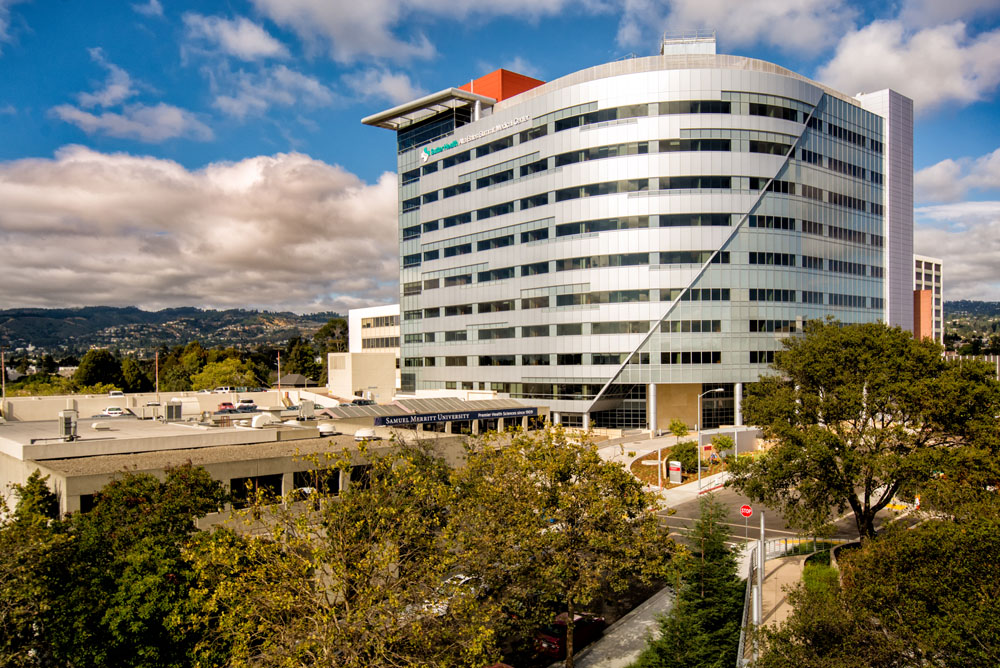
x: 718, y: 389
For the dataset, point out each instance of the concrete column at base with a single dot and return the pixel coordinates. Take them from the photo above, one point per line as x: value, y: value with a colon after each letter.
x: 738, y: 404
x: 651, y: 408
x: 287, y: 483
x: 586, y: 421
x: 556, y: 418
x: 448, y: 426
x: 475, y: 427
x: 345, y: 479
x: 500, y: 425
x: 524, y: 423
x: 70, y: 504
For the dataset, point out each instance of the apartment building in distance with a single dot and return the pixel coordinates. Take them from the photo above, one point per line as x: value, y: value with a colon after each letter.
x: 928, y: 298
x: 634, y: 240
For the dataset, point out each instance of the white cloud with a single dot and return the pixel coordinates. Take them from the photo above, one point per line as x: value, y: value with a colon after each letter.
x: 151, y: 8
x: 967, y: 237
x: 281, y: 232
x: 924, y: 13
x: 791, y: 25
x: 352, y: 30
x: 117, y: 88
x: 240, y: 37
x: 950, y: 180
x: 242, y: 93
x: 934, y: 66
x: 137, y: 121
x: 5, y: 6
x: 372, y: 83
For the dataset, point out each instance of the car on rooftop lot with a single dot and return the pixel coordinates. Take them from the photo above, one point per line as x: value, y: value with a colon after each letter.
x: 113, y: 411
x: 551, y: 640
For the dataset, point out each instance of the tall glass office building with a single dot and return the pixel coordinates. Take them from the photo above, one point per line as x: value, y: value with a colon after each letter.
x: 619, y: 241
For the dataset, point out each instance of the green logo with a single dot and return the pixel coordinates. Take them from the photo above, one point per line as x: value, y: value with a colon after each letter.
x: 428, y: 152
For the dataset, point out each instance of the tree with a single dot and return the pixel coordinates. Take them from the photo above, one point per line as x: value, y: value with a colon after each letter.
x: 678, y: 428
x: 702, y: 629
x: 134, y: 377
x: 855, y: 414
x: 228, y: 373
x: 545, y: 514
x: 926, y: 596
x: 332, y: 337
x: 48, y: 364
x: 99, y: 366
x: 300, y: 358
x: 35, y: 501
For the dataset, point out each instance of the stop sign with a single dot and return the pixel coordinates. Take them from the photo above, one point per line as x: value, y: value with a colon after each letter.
x: 746, y: 511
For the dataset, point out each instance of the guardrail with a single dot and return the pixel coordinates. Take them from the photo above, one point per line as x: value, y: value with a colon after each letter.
x: 752, y: 603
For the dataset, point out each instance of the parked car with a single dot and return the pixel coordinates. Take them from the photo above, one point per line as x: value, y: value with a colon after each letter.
x: 551, y: 640
x: 113, y: 411
x: 116, y: 393
x: 226, y: 406
x: 246, y: 402
x: 223, y: 390
x: 362, y: 402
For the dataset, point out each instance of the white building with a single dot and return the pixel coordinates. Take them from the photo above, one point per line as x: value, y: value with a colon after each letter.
x: 621, y: 241
x: 370, y: 368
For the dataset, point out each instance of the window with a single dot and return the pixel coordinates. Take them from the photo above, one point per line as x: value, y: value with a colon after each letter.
x: 692, y: 326
x: 432, y: 312
x: 769, y: 147
x: 497, y: 360
x: 693, y: 357
x: 620, y: 327
x: 496, y: 274
x: 810, y: 157
x: 685, y: 145
x: 411, y: 176
x: 534, y: 360
x: 695, y: 182
x: 456, y: 189
x: 773, y: 111
x: 846, y: 235
x: 497, y: 306
x: 780, y: 326
x: 534, y: 269
x: 602, y: 116
x: 775, y: 259
x: 461, y: 360
x: 459, y: 219
x: 429, y: 168
x: 494, y: 179
x: 411, y: 204
x: 569, y: 329
x: 608, y: 358
x: 694, y: 107
x: 694, y: 257
x: 696, y: 220
x: 497, y: 242
x: 534, y: 200
x: 810, y: 262
x: 809, y: 227
x: 772, y: 222
x: 775, y: 186
x: 596, y: 261
x: 411, y: 260
x: 761, y: 356
x: 431, y: 226
x: 530, y: 331
x: 534, y: 167
x: 569, y: 359
x: 494, y: 146
x: 456, y: 335
x: 809, y: 297
x: 430, y: 197
x: 411, y: 232
x: 600, y: 152
x: 499, y: 333
x: 842, y: 267
x: 458, y: 309
x: 534, y: 235
x: 413, y: 338
x: 696, y: 294
x: 535, y: 302
x: 456, y: 159
x: 380, y: 342
x: 460, y: 249
x: 412, y: 288
x: 432, y: 284
x: 533, y: 133
x: 853, y: 301
x: 604, y: 297
x: 431, y: 255
x: 461, y: 279
x: 603, y: 225
x: 769, y: 295
x: 847, y: 201
x: 495, y: 210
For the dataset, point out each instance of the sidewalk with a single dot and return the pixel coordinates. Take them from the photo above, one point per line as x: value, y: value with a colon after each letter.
x: 624, y: 640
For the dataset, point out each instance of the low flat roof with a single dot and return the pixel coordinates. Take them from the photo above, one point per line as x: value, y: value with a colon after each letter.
x: 425, y: 107
x: 418, y: 406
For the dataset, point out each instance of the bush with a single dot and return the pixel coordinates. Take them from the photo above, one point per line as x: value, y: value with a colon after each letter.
x: 687, y: 454
x: 678, y: 428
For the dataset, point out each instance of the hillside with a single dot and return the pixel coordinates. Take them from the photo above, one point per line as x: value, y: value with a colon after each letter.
x: 132, y: 329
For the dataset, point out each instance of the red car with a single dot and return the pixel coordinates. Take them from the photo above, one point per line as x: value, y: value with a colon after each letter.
x: 552, y: 639
x: 226, y: 406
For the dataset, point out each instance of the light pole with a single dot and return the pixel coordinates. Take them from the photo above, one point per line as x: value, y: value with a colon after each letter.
x: 718, y: 389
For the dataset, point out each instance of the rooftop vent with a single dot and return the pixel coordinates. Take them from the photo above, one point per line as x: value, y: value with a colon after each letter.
x: 695, y: 42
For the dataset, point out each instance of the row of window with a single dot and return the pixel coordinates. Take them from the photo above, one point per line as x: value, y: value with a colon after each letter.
x: 819, y: 229
x: 380, y: 321
x: 568, y: 359
x: 380, y: 342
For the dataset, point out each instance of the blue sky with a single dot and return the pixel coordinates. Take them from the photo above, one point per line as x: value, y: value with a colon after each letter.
x: 166, y: 153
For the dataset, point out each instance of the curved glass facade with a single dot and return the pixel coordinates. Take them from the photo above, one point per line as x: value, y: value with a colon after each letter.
x: 659, y: 222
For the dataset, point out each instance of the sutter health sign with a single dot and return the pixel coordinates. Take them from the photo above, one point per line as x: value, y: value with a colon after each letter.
x: 419, y: 418
x: 428, y: 151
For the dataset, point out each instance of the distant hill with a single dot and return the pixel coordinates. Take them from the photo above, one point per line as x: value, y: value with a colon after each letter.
x: 132, y: 329
x: 966, y: 307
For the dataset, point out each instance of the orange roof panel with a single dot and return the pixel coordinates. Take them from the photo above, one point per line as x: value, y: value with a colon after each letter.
x: 501, y: 84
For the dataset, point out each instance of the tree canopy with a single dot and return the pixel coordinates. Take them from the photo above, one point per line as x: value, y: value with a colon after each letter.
x: 857, y: 413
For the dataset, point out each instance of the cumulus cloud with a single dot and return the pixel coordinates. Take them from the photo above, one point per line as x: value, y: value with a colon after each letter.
x: 279, y: 232
x: 374, y: 83
x: 950, y: 180
x: 924, y: 13
x: 137, y: 121
x: 967, y: 237
x: 248, y: 93
x: 151, y: 8
x: 117, y: 87
x: 352, y: 30
x: 239, y: 37
x: 791, y: 25
x: 934, y: 66
x: 5, y: 6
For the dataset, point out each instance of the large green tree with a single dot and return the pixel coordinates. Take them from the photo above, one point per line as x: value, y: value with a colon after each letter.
x: 857, y: 413
x: 99, y: 367
x: 332, y: 337
x: 229, y: 372
x: 702, y: 629
x: 540, y: 512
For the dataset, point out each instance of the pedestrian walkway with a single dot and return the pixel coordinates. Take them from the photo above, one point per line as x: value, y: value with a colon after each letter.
x: 780, y: 574
x: 624, y: 640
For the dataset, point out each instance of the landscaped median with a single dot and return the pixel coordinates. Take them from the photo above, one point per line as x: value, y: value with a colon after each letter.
x: 685, y: 452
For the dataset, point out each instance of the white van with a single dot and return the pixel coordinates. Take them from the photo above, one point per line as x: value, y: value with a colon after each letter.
x: 223, y: 390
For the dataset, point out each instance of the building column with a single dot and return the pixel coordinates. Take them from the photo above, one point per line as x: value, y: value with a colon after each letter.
x: 737, y: 404
x: 651, y: 408
x: 287, y: 483
x: 586, y: 421
x: 500, y: 425
x: 524, y: 423
x: 345, y: 480
x: 475, y: 427
x: 556, y: 418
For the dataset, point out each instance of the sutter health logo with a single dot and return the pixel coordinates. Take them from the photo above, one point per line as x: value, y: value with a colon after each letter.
x: 428, y: 152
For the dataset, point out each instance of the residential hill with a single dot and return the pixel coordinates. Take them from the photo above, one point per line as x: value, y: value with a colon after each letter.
x: 132, y: 329
x: 967, y: 308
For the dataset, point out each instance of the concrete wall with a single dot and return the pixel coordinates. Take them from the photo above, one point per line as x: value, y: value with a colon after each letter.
x: 348, y: 373
x: 677, y: 401
x: 30, y: 409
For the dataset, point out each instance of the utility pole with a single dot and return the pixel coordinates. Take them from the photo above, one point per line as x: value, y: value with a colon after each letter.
x: 3, y: 381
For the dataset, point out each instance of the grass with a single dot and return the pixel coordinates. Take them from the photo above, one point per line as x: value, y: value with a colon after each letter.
x: 820, y: 578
